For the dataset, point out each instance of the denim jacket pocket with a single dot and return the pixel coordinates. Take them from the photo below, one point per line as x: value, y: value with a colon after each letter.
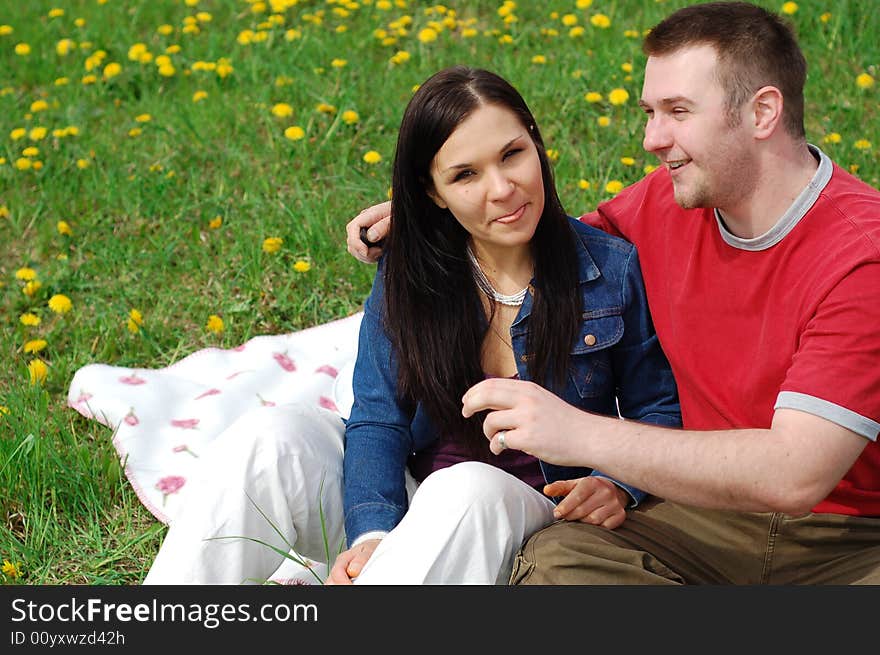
x: 591, y: 369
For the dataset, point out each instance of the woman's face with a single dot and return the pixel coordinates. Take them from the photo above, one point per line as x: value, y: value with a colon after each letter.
x: 488, y: 175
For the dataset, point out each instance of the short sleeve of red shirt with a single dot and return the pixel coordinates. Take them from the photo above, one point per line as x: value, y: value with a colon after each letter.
x: 835, y: 371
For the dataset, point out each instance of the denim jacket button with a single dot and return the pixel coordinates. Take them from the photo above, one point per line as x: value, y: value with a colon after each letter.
x: 590, y: 339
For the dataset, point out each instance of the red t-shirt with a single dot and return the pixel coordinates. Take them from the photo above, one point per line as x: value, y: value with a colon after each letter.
x: 790, y: 319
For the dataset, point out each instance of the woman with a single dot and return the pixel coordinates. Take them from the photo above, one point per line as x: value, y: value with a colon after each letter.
x: 484, y: 275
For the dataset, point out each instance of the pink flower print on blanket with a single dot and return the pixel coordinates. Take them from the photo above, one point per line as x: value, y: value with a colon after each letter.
x: 329, y: 370
x: 170, y: 484
x: 132, y: 379
x: 284, y: 362
x: 183, y: 448
x: 326, y: 403
x: 81, y: 404
x: 265, y: 403
x: 131, y: 418
x: 209, y: 392
x: 185, y: 423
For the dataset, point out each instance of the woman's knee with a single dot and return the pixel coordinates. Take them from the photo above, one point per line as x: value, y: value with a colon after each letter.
x: 468, y: 484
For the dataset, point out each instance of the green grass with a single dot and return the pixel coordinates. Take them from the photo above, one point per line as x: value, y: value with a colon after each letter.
x: 140, y: 210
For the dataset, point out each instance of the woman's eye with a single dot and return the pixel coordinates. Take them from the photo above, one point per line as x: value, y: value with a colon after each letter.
x: 511, y: 153
x: 462, y: 175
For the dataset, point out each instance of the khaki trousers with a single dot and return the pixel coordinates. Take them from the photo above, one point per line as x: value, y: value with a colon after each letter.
x: 665, y: 543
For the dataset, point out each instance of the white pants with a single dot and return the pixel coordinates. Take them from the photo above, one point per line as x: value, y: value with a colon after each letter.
x: 271, y: 475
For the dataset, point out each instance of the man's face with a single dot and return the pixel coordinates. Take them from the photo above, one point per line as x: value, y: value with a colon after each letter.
x: 711, y: 162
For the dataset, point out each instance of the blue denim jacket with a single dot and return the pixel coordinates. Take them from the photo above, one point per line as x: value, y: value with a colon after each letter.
x: 616, y: 363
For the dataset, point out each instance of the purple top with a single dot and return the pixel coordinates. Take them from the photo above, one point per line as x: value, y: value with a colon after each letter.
x: 446, y: 452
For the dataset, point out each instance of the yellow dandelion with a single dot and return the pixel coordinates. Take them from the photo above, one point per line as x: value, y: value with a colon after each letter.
x: 135, y: 321
x: 350, y: 117
x: 31, y: 151
x: 400, y: 57
x: 325, y: 108
x: 35, y: 345
x: 135, y: 131
x: 569, y: 20
x: 17, y: 133
x: 37, y: 370
x: 215, y: 222
x: 649, y: 168
x: 601, y: 21
x: 282, y: 110
x: 60, y: 304
x: 272, y: 244
x: 862, y: 144
x: 539, y: 59
x: 26, y: 273
x: 4, y: 410
x: 603, y: 121
x: 42, y: 105
x: 23, y: 164
x: 583, y: 184
x: 143, y: 118
x: 583, y: 4
x: 339, y: 63
x: 22, y: 49
x: 165, y: 30
x: 30, y: 289
x: 626, y: 67
x: 199, y: 95
x: 789, y: 8
x: 55, y: 13
x: 614, y: 186
x: 38, y: 133
x: 9, y: 569
x: 6, y: 30
x: 552, y: 154
x: 4, y: 211
x: 63, y: 227
x: 214, y: 324
x: 83, y: 163
x: 301, y: 266
x: 825, y: 17
x: 372, y: 157
x: 294, y: 133
x: 627, y: 161
x: 593, y: 97
x: 112, y: 70
x: 29, y: 320
x: 427, y: 35
x: 89, y: 79
x: 865, y: 81
x: 618, y: 96
x: 832, y: 137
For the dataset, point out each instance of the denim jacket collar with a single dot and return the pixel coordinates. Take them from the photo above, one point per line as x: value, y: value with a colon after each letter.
x: 587, y: 270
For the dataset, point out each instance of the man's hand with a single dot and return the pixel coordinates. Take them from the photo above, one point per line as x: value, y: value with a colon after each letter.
x: 589, y: 500
x: 350, y: 563
x: 377, y: 220
x: 536, y: 421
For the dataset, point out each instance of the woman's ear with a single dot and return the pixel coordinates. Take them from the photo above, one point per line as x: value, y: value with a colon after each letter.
x: 437, y: 200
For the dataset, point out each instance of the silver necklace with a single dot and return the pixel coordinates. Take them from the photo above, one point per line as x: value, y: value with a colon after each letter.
x: 511, y: 300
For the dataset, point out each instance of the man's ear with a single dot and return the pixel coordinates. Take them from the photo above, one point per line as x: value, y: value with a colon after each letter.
x: 767, y: 104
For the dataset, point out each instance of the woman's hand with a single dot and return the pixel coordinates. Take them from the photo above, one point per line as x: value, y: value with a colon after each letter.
x: 377, y: 220
x: 589, y: 500
x: 350, y: 563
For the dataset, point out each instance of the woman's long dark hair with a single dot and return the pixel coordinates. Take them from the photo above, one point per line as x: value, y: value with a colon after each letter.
x: 432, y: 303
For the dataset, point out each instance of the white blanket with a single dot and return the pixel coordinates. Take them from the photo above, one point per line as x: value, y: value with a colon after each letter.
x: 163, y: 420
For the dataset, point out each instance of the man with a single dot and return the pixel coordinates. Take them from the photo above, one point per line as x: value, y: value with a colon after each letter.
x: 761, y: 260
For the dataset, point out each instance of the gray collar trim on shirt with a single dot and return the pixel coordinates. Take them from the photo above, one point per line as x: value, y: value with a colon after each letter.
x: 790, y: 218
